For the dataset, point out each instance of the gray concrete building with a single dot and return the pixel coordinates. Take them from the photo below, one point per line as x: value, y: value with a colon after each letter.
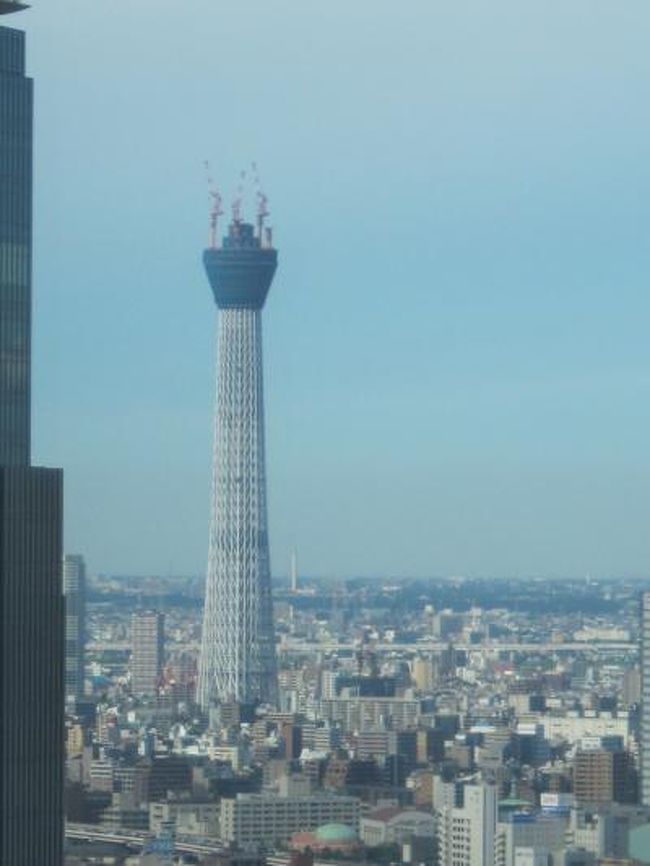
x: 645, y: 699
x: 74, y: 591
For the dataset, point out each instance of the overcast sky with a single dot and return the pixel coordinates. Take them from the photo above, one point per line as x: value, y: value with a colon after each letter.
x: 456, y: 342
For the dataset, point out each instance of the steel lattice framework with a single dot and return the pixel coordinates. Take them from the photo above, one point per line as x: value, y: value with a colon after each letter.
x: 238, y: 644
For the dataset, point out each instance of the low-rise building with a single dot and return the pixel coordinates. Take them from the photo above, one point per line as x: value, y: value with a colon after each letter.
x: 189, y: 818
x: 395, y: 826
x: 262, y: 818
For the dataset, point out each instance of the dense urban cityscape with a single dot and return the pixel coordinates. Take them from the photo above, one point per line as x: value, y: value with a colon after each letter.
x: 449, y: 721
x: 242, y: 719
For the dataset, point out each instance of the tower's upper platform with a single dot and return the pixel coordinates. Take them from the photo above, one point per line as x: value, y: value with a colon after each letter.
x: 241, y: 271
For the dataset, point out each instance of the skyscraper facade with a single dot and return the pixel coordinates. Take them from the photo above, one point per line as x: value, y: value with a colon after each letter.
x: 645, y: 699
x: 148, y: 654
x: 74, y: 592
x: 16, y: 246
x: 238, y: 646
x: 31, y: 600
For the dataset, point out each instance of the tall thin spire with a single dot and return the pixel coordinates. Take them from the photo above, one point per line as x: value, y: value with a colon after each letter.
x: 294, y: 571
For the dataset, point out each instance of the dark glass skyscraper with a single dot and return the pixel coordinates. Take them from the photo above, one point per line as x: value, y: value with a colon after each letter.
x: 15, y: 249
x: 31, y: 601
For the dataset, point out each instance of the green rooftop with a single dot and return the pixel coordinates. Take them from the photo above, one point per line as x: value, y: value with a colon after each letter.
x: 336, y: 833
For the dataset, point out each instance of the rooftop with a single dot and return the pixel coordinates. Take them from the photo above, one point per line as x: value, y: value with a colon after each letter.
x: 336, y: 833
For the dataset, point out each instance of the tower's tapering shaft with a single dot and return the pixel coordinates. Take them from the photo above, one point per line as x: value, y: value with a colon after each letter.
x: 238, y: 645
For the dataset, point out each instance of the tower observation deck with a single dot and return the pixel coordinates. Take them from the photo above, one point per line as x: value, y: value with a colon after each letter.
x: 237, y: 660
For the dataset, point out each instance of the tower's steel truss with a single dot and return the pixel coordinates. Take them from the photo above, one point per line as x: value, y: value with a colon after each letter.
x: 238, y: 645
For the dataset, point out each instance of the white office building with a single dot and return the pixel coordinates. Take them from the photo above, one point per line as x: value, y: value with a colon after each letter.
x: 467, y: 830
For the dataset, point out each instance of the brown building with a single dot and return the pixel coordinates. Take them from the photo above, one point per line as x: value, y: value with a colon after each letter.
x: 603, y: 776
x: 147, y: 659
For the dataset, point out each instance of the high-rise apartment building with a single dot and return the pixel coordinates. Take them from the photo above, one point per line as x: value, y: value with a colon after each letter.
x: 238, y: 646
x: 645, y: 699
x: 148, y: 654
x: 74, y: 592
x: 31, y: 601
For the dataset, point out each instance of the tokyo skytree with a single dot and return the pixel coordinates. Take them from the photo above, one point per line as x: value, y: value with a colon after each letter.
x: 237, y: 660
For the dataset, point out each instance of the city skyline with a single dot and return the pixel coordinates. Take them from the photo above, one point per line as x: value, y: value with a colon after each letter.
x: 458, y: 384
x: 477, y: 407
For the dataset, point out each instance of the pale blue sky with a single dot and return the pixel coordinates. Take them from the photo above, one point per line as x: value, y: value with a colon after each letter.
x: 457, y: 357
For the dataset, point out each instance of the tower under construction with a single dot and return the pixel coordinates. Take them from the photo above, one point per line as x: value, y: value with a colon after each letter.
x: 238, y: 645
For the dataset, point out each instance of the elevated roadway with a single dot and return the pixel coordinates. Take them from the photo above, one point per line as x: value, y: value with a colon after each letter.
x: 299, y: 645
x: 137, y: 838
x: 294, y: 645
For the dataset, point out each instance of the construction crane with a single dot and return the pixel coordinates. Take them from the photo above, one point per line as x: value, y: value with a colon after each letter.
x: 215, y: 209
x: 237, y: 203
x: 264, y: 234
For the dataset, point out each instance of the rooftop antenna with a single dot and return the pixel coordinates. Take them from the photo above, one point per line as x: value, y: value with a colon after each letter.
x: 215, y: 209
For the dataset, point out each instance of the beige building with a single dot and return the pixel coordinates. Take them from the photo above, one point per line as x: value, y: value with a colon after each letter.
x: 250, y: 818
x: 423, y: 673
x: 189, y: 818
x: 147, y: 657
x: 395, y: 825
x: 74, y: 741
x: 364, y: 714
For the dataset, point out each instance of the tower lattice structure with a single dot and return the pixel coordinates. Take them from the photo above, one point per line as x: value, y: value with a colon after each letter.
x: 237, y: 660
